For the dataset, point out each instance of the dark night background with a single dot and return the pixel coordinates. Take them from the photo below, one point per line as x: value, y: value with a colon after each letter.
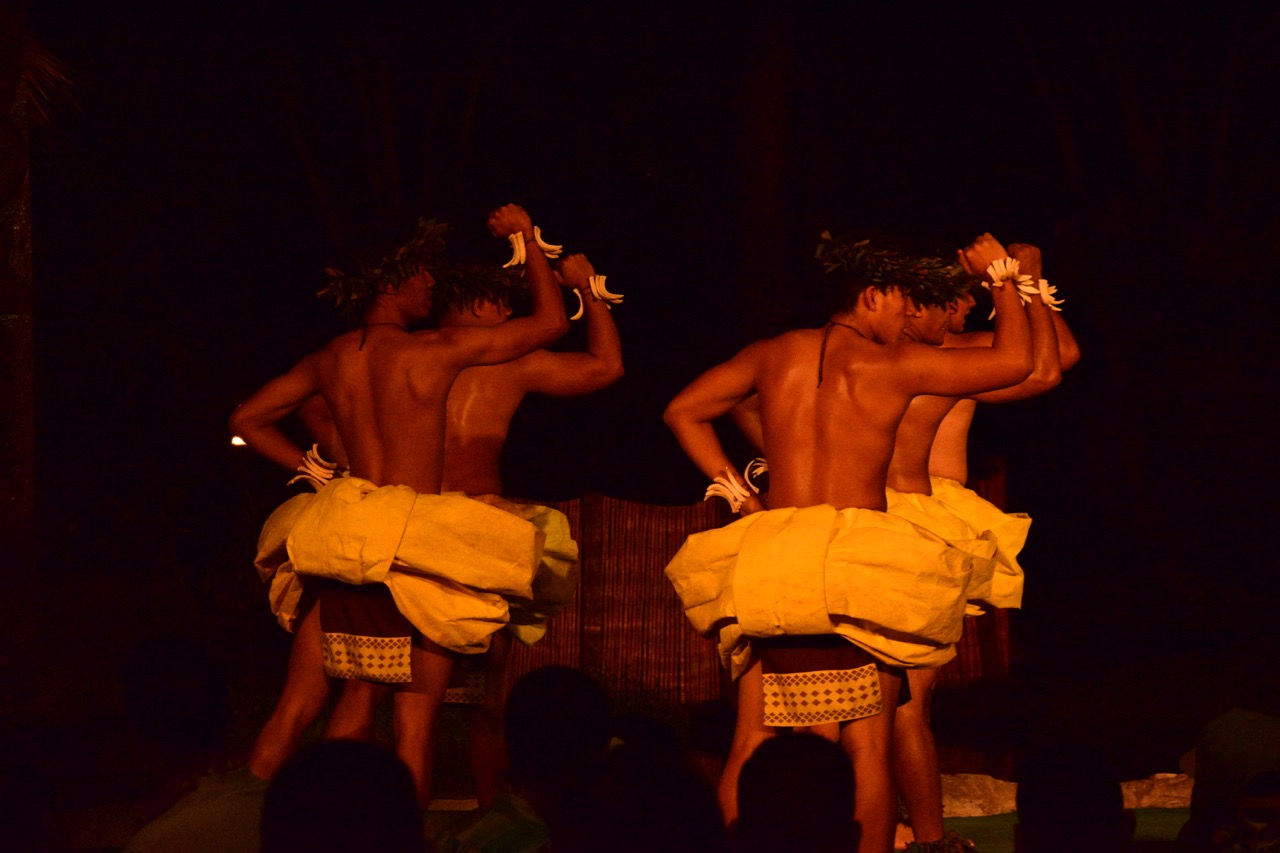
x: 218, y: 155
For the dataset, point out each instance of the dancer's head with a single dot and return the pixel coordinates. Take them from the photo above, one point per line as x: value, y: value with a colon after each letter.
x: 385, y: 265
x: 887, y: 287
x: 960, y: 309
x: 475, y: 294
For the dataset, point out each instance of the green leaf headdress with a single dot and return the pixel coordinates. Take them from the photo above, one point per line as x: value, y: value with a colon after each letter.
x: 926, y: 280
x: 354, y: 292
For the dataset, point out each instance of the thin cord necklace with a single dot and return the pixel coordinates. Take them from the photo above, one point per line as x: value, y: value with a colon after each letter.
x: 826, y: 333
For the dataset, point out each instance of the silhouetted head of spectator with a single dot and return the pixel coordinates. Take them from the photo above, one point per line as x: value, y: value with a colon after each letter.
x: 342, y: 796
x: 1069, y: 799
x: 557, y: 724
x: 645, y: 800
x: 796, y: 793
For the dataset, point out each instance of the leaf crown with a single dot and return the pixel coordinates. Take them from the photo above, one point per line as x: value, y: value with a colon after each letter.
x: 925, y: 279
x: 354, y: 292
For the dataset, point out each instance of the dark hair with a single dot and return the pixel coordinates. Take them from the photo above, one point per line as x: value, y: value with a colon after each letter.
x: 459, y: 285
x: 796, y: 793
x: 557, y: 723
x: 382, y: 255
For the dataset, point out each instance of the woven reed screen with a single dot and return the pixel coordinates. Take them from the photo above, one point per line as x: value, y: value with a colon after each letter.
x: 625, y: 626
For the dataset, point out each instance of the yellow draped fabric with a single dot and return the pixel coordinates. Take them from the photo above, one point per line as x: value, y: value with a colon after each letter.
x: 557, y: 576
x: 273, y: 563
x: 931, y: 514
x: 450, y: 562
x: 1010, y: 531
x: 881, y: 582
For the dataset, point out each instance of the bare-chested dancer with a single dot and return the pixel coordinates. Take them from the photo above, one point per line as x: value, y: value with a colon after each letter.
x: 481, y: 405
x: 949, y: 456
x: 826, y: 559
x: 915, y: 755
x: 387, y: 389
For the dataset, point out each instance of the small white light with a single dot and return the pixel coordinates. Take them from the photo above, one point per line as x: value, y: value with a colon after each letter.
x: 237, y: 441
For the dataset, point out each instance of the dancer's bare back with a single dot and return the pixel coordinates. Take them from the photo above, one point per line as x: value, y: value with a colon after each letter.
x: 386, y: 387
x: 484, y: 400
x: 831, y: 442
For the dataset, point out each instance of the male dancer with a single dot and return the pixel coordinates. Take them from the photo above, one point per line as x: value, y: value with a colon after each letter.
x: 482, y: 403
x: 826, y: 559
x: 915, y: 755
x: 445, y: 562
x: 949, y: 456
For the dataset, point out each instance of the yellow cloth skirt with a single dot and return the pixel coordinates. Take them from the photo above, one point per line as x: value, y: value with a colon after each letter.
x: 879, y: 581
x: 273, y: 563
x: 932, y: 515
x: 557, y: 576
x: 451, y: 563
x: 1009, y: 528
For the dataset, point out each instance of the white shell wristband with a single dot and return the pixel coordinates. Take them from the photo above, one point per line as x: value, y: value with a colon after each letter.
x: 519, y: 254
x: 727, y: 486
x: 315, y: 469
x: 599, y: 291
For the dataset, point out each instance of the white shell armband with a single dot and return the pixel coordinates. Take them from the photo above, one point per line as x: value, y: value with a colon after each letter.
x: 1004, y: 270
x: 727, y: 486
x: 599, y: 291
x: 1000, y: 271
x: 1032, y: 288
x: 518, y: 253
x: 1048, y: 295
x: 754, y: 469
x: 315, y: 469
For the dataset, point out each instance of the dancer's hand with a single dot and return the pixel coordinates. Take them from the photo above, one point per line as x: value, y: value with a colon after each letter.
x: 509, y: 219
x: 575, y: 271
x: 978, y: 255
x: 1028, y: 258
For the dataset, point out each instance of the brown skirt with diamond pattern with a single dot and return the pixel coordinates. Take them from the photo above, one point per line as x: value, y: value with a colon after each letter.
x: 365, y: 635
x: 810, y: 680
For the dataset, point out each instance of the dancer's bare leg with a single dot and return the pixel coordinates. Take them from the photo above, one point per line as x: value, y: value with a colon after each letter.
x: 484, y: 723
x: 417, y: 708
x: 352, y: 717
x: 749, y: 732
x: 306, y: 689
x: 915, y: 758
x: 830, y: 731
x: 868, y: 743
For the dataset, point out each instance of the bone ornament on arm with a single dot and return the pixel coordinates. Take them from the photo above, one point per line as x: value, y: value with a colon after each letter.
x: 315, y: 469
x: 599, y: 291
x: 727, y: 486
x: 518, y: 253
x: 1004, y: 270
x: 1032, y: 288
x: 1048, y: 295
x: 754, y: 469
